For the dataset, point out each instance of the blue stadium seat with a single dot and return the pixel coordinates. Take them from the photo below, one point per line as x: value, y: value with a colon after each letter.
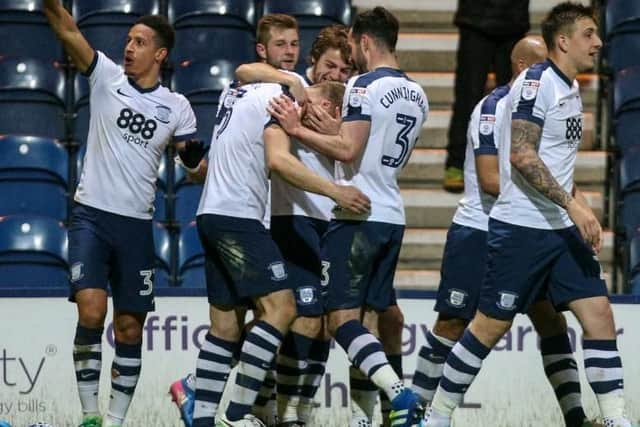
x: 200, y: 43
x: 24, y: 31
x: 162, y: 242
x: 626, y: 108
x: 106, y: 23
x: 630, y: 170
x: 634, y: 258
x: 202, y: 82
x: 187, y: 200
x: 31, y: 98
x: 626, y: 89
x: 33, y: 177
x: 33, y: 252
x: 621, y: 16
x: 312, y: 13
x: 623, y: 51
x: 220, y: 13
x: 81, y: 108
x: 160, y: 206
x: 307, y: 37
x: 191, y: 258
x: 631, y: 213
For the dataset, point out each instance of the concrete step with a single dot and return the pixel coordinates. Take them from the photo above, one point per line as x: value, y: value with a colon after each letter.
x: 422, y: 249
x: 426, y: 168
x: 439, y: 88
x: 434, y: 131
x: 434, y: 208
x: 418, y: 280
x: 437, y: 15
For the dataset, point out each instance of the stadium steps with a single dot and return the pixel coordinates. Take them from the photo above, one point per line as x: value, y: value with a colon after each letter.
x: 426, y: 49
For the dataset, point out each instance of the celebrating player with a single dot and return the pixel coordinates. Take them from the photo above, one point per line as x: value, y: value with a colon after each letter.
x: 540, y: 232
x: 383, y: 112
x: 133, y: 118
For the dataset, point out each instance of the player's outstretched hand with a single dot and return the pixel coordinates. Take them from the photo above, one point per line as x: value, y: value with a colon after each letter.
x: 350, y: 198
x: 285, y: 111
x: 587, y: 223
x: 318, y: 119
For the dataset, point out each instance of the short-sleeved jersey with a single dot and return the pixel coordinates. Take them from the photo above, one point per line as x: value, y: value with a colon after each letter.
x: 543, y: 95
x: 397, y: 108
x: 129, y: 129
x: 487, y: 123
x: 287, y: 199
x: 237, y: 177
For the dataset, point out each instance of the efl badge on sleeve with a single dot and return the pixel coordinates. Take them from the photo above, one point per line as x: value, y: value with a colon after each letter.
x: 530, y: 89
x: 487, y: 122
x: 355, y: 96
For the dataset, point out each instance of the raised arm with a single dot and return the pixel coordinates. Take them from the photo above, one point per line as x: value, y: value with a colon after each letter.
x: 525, y: 138
x: 281, y: 161
x: 261, y: 72
x: 66, y: 30
x: 345, y: 146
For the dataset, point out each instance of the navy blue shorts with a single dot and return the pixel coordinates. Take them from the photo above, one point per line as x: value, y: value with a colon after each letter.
x: 109, y: 249
x: 298, y: 238
x: 463, y: 267
x: 242, y: 262
x: 522, y: 260
x: 361, y: 261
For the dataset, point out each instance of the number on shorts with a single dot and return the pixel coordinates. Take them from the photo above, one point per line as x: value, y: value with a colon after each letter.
x: 324, y: 280
x: 147, y: 281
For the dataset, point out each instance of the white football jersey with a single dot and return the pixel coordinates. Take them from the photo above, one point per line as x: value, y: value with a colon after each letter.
x: 542, y: 94
x: 237, y: 177
x: 487, y: 123
x: 397, y: 108
x: 129, y: 129
x: 287, y: 199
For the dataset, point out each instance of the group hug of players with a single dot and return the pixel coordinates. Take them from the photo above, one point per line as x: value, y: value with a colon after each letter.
x: 331, y: 144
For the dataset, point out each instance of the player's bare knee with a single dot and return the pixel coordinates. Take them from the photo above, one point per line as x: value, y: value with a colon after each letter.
x: 600, y: 323
x: 391, y: 323
x: 450, y: 328
x: 128, y: 328
x: 309, y: 326
x: 279, y: 307
x: 551, y: 326
x: 488, y: 330
x: 91, y: 315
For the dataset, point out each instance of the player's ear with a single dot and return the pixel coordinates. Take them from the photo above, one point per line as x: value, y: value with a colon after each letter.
x: 562, y: 41
x: 261, y: 50
x: 161, y: 55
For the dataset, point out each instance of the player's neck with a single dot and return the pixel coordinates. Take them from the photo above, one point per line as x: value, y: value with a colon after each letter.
x: 563, y: 64
x: 146, y: 81
x: 383, y: 60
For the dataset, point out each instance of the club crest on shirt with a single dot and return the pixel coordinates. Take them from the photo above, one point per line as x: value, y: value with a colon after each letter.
x: 530, y: 89
x: 507, y: 300
x: 277, y: 271
x: 355, y: 96
x: 487, y: 122
x: 162, y: 113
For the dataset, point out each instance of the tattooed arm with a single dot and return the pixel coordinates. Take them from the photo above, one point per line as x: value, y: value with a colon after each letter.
x: 525, y: 138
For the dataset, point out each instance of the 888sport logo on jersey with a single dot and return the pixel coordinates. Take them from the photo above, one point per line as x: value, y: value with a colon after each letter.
x: 138, y: 129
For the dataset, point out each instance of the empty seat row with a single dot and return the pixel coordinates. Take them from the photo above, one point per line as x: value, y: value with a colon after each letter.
x: 201, y: 25
x: 34, y: 253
